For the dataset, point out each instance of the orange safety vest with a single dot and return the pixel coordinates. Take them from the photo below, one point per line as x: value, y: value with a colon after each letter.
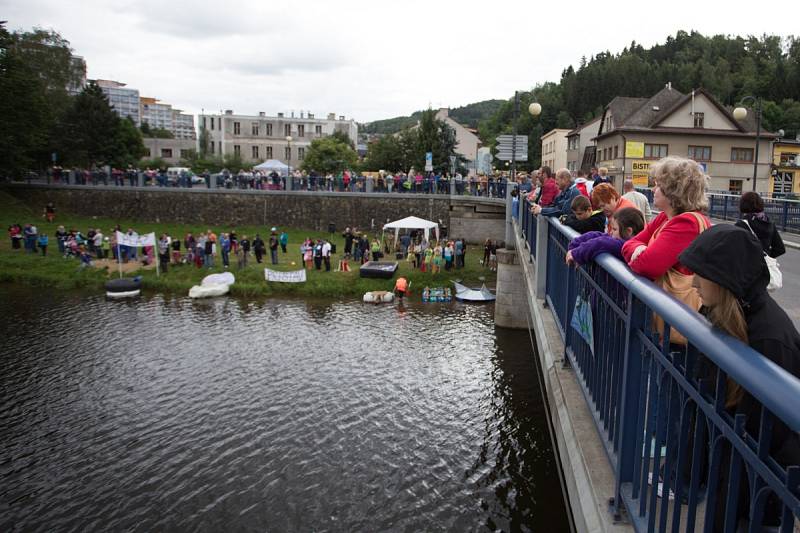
x: 401, y: 284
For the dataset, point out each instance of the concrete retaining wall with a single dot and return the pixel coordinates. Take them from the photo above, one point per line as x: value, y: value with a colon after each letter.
x: 475, y: 219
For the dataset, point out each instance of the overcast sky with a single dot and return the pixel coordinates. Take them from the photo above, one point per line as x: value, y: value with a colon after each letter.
x: 366, y: 59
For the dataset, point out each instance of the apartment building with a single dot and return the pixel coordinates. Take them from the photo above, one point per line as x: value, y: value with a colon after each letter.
x: 159, y: 115
x: 257, y: 138
x: 123, y: 99
x: 581, y: 146
x: 554, y: 149
x: 467, y: 142
x: 635, y: 132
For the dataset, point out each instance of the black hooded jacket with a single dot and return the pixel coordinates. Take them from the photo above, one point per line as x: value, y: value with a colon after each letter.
x: 731, y: 257
x: 766, y: 232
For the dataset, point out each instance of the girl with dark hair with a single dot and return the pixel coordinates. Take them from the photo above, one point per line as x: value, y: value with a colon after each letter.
x: 625, y: 223
x: 751, y: 206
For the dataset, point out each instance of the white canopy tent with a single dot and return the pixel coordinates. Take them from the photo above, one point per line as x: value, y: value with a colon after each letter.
x: 413, y: 223
x: 273, y: 164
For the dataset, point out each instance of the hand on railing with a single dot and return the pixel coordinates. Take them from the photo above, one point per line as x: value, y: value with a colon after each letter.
x: 569, y: 260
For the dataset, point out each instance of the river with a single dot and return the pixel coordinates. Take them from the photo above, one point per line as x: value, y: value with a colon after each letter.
x: 167, y: 414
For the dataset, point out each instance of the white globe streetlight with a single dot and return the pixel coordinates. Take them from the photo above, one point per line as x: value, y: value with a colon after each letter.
x: 740, y: 113
x: 535, y: 109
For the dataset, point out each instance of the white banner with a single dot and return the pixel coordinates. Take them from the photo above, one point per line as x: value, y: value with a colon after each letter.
x: 295, y: 276
x: 136, y: 240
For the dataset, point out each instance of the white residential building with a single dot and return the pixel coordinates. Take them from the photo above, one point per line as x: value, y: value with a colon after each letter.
x: 124, y: 100
x: 554, y: 149
x: 260, y: 137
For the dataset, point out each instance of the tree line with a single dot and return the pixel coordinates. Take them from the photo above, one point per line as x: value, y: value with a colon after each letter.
x: 42, y: 123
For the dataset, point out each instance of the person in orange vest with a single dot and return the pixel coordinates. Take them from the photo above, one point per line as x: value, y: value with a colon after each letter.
x: 401, y: 287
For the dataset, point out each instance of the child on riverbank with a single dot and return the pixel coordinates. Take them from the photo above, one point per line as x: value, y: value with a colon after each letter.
x: 625, y: 223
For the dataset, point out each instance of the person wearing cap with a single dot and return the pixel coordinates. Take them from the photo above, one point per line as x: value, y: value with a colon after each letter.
x: 732, y: 277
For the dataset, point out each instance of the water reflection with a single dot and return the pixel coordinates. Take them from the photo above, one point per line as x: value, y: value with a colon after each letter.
x: 279, y: 414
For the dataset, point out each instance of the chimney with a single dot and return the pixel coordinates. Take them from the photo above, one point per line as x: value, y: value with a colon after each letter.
x: 311, y: 115
x: 301, y: 113
x: 261, y: 114
x: 229, y: 111
x: 292, y: 113
x: 341, y: 117
x: 331, y: 116
x: 280, y: 115
x: 669, y: 85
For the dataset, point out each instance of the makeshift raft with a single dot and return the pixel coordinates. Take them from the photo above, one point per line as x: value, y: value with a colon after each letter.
x: 213, y: 285
x: 437, y: 294
x: 465, y: 294
x: 378, y: 269
x: 378, y: 297
x: 124, y: 287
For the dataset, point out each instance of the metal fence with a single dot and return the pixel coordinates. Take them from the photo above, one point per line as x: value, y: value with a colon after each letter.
x: 784, y: 213
x: 682, y: 460
x: 466, y: 187
x: 528, y: 225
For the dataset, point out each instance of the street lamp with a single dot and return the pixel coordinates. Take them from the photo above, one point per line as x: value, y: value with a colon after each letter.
x: 289, y: 158
x: 739, y: 114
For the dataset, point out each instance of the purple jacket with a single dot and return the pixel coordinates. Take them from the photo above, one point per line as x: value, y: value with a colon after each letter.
x: 586, y: 247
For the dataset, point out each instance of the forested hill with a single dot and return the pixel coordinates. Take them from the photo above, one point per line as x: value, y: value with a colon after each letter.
x: 729, y: 67
x: 469, y: 115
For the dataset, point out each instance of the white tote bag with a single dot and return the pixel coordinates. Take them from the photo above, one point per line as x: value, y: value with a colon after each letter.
x: 775, y: 275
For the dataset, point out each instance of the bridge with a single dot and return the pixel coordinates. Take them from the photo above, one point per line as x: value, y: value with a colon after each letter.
x: 632, y: 418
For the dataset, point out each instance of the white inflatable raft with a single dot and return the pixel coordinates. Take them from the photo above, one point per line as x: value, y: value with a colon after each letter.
x: 378, y: 297
x: 213, y: 285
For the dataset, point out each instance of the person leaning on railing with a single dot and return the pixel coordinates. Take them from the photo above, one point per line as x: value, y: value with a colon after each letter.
x: 562, y: 205
x: 731, y: 277
x: 653, y: 253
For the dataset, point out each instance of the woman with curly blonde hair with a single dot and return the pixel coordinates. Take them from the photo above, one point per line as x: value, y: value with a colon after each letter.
x: 680, y: 194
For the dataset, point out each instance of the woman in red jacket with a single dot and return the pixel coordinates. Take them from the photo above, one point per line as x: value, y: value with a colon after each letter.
x: 680, y: 194
x: 549, y: 189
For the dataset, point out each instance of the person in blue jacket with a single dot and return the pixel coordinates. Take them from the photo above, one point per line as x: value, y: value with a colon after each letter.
x: 562, y: 205
x: 43, y: 241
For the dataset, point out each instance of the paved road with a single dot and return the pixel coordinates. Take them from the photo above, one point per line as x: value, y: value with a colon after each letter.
x: 789, y: 295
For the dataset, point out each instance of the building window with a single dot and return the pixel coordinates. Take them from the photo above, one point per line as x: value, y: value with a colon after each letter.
x: 212, y: 123
x: 700, y: 153
x: 616, y: 151
x: 782, y: 182
x: 255, y: 152
x: 237, y: 150
x: 147, y: 152
x: 212, y: 147
x: 237, y: 128
x: 269, y: 152
x: 254, y: 129
x: 735, y: 186
x: 186, y: 154
x: 287, y: 129
x: 287, y: 152
x: 269, y: 130
x: 301, y: 153
x: 789, y: 159
x: 204, y: 122
x: 699, y: 119
x: 318, y: 130
x: 166, y: 153
x: 301, y: 130
x: 655, y: 151
x: 742, y: 155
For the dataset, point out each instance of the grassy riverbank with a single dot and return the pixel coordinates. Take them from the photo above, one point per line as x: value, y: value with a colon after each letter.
x: 53, y: 271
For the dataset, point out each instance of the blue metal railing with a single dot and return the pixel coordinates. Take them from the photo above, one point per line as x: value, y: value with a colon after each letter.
x: 528, y: 226
x: 784, y: 213
x: 660, y: 408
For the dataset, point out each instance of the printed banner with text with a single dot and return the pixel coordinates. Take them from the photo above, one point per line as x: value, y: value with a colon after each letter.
x: 135, y: 240
x: 295, y: 276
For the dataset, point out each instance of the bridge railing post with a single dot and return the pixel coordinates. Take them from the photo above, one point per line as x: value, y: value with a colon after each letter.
x: 541, y: 255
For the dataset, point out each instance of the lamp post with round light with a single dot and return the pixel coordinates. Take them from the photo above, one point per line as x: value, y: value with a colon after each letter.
x: 535, y: 110
x: 289, y: 159
x: 739, y: 114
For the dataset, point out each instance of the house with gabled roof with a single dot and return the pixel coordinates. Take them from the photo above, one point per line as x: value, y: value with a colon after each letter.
x: 635, y: 132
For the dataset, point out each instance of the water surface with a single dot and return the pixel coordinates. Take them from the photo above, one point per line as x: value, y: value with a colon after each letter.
x: 277, y: 415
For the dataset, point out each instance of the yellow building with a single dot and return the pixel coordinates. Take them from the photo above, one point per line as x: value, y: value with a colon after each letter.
x: 785, y: 167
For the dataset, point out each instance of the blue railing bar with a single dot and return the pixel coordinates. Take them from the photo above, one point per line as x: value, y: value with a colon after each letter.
x: 766, y: 381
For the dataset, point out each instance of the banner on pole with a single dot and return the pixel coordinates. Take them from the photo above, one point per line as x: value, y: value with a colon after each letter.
x: 294, y: 276
x: 135, y: 240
